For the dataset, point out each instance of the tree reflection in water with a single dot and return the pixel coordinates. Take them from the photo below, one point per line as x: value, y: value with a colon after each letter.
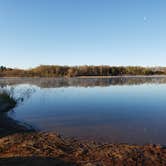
x: 84, y: 82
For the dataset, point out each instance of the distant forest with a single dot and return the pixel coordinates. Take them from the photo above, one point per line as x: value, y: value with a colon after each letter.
x: 77, y: 71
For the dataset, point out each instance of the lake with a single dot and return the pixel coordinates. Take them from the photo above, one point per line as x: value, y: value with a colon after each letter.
x: 118, y: 109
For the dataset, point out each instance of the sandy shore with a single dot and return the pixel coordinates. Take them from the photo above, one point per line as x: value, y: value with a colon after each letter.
x: 51, y: 149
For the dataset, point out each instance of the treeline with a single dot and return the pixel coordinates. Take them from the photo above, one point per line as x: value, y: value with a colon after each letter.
x: 76, y: 71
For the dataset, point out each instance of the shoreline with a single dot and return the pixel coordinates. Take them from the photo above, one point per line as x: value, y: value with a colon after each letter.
x: 123, y: 76
x: 52, y: 149
x: 20, y: 146
x: 118, y: 76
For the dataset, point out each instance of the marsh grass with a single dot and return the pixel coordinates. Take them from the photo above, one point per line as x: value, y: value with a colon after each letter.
x: 7, y: 101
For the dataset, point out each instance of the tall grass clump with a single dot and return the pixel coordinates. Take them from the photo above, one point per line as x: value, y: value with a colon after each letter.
x: 7, y: 101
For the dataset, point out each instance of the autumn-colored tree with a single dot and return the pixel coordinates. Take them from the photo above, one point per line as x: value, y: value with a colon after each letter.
x: 75, y: 71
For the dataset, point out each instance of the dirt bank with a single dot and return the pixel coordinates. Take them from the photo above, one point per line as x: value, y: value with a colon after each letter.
x: 50, y: 149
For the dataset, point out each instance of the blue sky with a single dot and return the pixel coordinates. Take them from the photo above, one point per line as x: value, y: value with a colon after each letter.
x: 78, y: 32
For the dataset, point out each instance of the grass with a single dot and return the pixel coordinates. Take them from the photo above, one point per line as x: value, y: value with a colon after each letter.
x: 7, y: 102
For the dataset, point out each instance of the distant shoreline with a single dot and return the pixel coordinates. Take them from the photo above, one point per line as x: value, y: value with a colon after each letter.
x: 81, y: 71
x: 119, y: 76
x: 128, y: 76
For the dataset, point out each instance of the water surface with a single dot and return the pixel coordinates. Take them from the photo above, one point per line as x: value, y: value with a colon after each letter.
x: 119, y: 110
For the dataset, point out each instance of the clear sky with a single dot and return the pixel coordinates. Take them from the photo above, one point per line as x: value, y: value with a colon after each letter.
x: 78, y: 32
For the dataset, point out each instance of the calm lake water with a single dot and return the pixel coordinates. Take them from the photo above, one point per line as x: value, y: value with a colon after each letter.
x: 119, y: 110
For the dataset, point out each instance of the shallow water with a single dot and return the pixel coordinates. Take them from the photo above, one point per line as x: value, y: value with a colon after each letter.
x: 119, y: 110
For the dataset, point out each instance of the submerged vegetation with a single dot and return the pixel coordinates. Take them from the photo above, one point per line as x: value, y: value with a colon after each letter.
x: 76, y: 71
